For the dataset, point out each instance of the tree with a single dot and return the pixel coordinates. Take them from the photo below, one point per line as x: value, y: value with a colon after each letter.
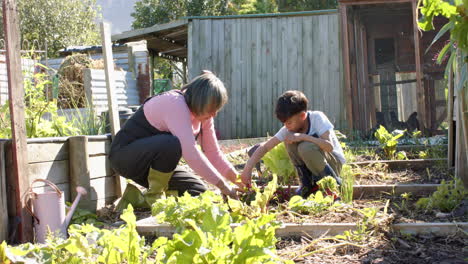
x: 306, y: 5
x: 151, y: 12
x: 60, y: 23
x: 252, y: 6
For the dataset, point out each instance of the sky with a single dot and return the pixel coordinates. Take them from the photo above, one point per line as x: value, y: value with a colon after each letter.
x: 117, y: 12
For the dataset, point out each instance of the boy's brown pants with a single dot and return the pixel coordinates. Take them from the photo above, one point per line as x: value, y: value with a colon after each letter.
x: 315, y: 159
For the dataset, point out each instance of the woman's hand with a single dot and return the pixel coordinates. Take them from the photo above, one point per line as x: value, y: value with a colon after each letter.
x: 229, y: 190
x: 246, y: 177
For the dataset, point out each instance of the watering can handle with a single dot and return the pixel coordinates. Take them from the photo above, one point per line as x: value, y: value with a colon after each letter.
x: 30, y: 194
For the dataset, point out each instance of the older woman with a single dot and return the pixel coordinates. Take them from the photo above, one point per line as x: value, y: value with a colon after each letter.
x: 149, y: 146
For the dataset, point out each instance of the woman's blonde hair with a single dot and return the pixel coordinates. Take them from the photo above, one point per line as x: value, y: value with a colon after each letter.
x: 205, y: 93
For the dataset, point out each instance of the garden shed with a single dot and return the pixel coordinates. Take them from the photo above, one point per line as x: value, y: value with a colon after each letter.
x: 258, y: 57
x: 390, y: 67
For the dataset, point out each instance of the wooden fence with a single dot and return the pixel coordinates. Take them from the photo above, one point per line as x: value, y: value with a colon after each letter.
x: 67, y: 162
x: 259, y: 58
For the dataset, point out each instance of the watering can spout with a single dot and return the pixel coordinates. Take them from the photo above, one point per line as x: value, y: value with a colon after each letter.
x: 80, y: 192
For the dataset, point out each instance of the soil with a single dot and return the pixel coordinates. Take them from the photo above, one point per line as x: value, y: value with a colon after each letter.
x: 385, y: 250
x: 400, y: 213
x: 379, y: 174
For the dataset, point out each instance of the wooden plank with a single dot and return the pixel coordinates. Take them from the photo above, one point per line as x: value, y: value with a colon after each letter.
x: 100, y: 167
x: 102, y: 188
x: 228, y: 77
x: 307, y: 49
x: 96, y: 148
x: 218, y: 67
x: 55, y: 171
x: 451, y: 137
x: 400, y: 164
x: 284, y: 56
x: 419, y: 85
x: 275, y: 51
x: 255, y: 36
x: 190, y: 50
x: 110, y: 78
x: 268, y: 84
x: 438, y: 229
x: 248, y: 77
x: 43, y: 152
x: 346, y: 62
x: 3, y: 195
x: 236, y: 78
x: 19, y: 177
x: 242, y: 124
x: 80, y: 170
x: 150, y: 227
x: 111, y: 95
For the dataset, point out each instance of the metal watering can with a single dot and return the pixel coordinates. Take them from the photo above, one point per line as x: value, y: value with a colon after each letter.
x: 49, y: 210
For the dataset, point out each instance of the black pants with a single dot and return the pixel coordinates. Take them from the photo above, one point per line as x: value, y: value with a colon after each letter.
x: 139, y: 146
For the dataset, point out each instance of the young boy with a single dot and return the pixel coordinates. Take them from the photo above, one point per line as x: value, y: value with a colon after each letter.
x: 310, y: 141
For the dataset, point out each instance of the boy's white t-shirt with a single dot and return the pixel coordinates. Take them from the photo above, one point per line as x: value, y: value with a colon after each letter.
x: 319, y: 124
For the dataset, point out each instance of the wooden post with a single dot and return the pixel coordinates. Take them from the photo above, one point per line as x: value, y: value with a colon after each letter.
x: 451, y: 151
x: 347, y: 73
x: 419, y: 85
x: 19, y: 175
x: 80, y: 170
x: 3, y: 195
x: 111, y: 94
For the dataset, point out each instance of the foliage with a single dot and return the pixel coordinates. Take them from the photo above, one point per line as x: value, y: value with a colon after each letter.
x: 401, y: 155
x: 388, y: 141
x: 329, y: 183
x: 278, y: 162
x: 214, y: 241
x: 59, y: 23
x: 314, y: 204
x: 347, y: 185
x: 447, y: 197
x: 303, y: 5
x: 252, y: 6
x: 150, y: 12
x: 256, y: 207
x: 41, y: 115
x: 456, y: 11
x: 174, y: 210
x: 86, y: 244
x: 206, y: 235
x: 372, y: 221
x: 209, y: 239
x: 81, y: 216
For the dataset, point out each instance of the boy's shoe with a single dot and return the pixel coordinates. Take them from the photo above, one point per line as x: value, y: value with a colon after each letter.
x: 306, y: 187
x: 328, y: 171
x: 306, y: 191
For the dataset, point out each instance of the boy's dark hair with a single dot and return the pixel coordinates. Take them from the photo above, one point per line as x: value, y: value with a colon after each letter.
x: 289, y: 104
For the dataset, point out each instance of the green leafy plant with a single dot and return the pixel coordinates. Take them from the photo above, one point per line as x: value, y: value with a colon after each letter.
x: 315, y: 204
x: 401, y: 155
x: 329, y: 183
x: 388, y: 141
x: 174, y: 210
x: 278, y: 162
x: 41, y: 115
x: 447, y: 197
x: 347, y: 186
x: 258, y: 206
x: 86, y: 244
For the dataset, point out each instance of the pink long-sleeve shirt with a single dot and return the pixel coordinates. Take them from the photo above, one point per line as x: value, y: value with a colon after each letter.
x: 169, y: 112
